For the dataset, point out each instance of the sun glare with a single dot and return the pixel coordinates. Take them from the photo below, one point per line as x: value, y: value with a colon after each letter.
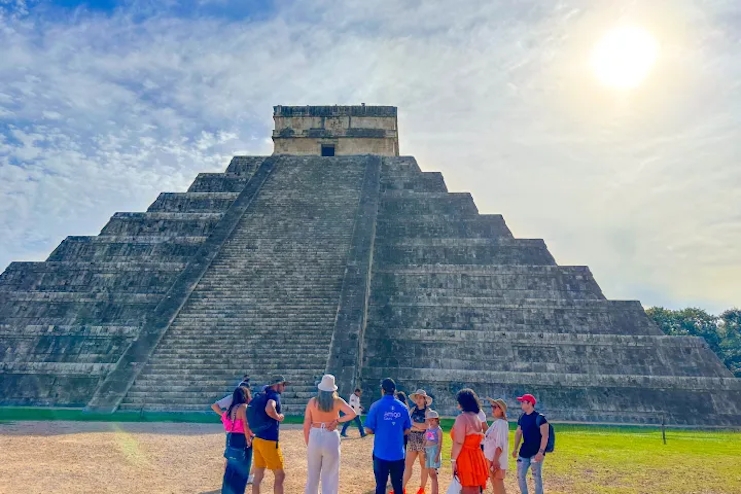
x: 624, y: 56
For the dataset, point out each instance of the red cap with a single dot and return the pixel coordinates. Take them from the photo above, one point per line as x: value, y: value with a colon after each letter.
x: 527, y: 397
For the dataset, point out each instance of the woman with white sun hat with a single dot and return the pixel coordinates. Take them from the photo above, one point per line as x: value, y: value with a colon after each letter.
x: 322, y: 438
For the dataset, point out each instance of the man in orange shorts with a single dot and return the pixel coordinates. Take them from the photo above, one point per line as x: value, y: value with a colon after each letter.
x: 265, y: 447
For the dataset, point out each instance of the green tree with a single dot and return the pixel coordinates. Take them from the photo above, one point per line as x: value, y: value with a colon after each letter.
x: 721, y: 333
x: 731, y: 339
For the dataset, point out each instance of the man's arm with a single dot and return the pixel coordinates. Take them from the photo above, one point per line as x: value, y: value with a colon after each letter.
x: 518, y: 438
x: 219, y: 406
x: 370, y: 421
x: 544, y: 430
x: 273, y: 412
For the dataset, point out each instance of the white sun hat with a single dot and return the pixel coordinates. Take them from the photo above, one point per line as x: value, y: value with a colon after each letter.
x: 421, y: 393
x: 327, y: 383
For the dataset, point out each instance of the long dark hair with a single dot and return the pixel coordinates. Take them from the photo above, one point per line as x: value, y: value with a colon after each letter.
x: 402, y: 397
x: 468, y: 400
x: 239, y: 397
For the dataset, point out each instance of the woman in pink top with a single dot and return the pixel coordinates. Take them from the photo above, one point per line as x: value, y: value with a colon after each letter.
x: 238, y: 452
x: 322, y: 437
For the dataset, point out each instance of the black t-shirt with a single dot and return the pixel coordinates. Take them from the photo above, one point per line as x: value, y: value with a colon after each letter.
x: 271, y: 434
x: 530, y: 433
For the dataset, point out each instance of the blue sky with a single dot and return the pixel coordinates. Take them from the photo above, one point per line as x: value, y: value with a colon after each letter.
x: 105, y: 104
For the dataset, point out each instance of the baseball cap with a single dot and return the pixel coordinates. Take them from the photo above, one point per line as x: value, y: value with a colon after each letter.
x: 527, y: 397
x: 277, y: 380
x: 388, y: 385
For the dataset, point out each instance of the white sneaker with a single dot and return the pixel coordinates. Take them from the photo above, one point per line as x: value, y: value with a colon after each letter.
x: 249, y: 479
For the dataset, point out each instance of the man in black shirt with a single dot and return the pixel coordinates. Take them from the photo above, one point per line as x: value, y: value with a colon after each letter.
x: 532, y: 429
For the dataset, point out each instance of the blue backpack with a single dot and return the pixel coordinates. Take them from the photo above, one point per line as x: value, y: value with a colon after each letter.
x: 258, y: 420
x: 551, y: 444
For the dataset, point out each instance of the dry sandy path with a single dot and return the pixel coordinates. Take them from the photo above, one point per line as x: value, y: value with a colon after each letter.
x: 99, y: 457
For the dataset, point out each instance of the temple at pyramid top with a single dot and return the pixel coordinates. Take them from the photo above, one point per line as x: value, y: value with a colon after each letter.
x: 335, y: 130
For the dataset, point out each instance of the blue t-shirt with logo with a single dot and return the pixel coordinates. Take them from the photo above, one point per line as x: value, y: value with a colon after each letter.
x: 388, y: 418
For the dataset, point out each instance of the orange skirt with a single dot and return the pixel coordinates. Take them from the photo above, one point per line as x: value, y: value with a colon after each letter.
x: 471, y: 464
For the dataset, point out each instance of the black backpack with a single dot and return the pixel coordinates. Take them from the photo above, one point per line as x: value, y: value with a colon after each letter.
x: 258, y: 419
x: 551, y: 444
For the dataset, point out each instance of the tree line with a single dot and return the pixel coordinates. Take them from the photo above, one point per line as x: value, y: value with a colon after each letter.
x: 722, y: 333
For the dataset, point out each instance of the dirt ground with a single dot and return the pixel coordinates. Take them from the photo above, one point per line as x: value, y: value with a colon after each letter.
x: 97, y: 457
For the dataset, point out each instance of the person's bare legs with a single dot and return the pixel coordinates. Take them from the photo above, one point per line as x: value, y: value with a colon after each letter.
x: 280, y: 476
x: 425, y: 473
x: 497, y: 484
x: 409, y: 466
x: 433, y: 479
x: 259, y: 474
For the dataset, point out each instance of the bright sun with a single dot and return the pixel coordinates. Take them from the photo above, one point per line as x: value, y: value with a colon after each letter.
x: 624, y: 56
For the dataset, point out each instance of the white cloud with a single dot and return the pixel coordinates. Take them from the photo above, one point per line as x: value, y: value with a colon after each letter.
x: 102, y: 112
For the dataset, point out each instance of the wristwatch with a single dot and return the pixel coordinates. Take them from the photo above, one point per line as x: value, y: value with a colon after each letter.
x: 541, y: 451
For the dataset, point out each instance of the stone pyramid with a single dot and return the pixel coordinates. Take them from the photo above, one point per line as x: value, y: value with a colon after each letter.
x: 336, y: 255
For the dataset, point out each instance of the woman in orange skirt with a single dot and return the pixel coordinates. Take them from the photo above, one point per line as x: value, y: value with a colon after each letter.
x: 469, y: 463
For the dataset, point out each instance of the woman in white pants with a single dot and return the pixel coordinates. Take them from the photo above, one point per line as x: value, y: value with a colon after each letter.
x: 322, y: 437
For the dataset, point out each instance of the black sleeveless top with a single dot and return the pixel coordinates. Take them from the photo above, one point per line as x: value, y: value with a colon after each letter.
x: 419, y: 416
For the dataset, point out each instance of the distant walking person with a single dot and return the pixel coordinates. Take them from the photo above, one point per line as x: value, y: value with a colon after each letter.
x: 322, y: 438
x: 265, y: 416
x: 238, y: 452
x: 469, y: 464
x: 532, y: 429
x: 355, y: 405
x: 496, y: 445
x: 389, y: 420
x: 416, y: 444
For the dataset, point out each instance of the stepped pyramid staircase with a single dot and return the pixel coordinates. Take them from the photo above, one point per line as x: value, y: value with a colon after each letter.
x: 363, y: 266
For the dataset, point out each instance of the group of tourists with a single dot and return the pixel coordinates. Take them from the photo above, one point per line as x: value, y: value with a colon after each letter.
x: 403, y: 435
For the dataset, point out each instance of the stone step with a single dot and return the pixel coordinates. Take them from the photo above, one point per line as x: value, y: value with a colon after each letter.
x: 482, y: 376
x: 511, y: 352
x: 97, y: 267
x: 219, y: 182
x: 608, y: 316
x: 193, y: 202
x: 482, y: 297
x: 424, y: 181
x: 117, y: 249
x: 505, y: 252
x: 80, y: 297
x: 188, y: 367
x: 245, y: 165
x: 191, y: 323
x: 34, y: 330
x: 540, y: 338
x: 148, y: 224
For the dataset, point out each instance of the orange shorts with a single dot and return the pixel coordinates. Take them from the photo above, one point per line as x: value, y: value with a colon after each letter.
x: 266, y: 454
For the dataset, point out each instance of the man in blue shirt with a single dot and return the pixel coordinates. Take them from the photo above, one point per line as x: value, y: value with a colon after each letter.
x: 389, y: 420
x: 533, y: 428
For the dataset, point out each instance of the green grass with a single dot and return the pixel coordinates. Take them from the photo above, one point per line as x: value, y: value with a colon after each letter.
x: 634, y: 460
